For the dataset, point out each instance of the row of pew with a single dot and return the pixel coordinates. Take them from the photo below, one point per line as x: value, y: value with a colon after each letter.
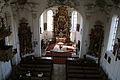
x: 34, y: 68
x: 84, y: 69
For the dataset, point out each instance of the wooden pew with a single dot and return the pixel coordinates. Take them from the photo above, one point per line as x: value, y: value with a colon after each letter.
x: 18, y: 73
x: 35, y: 66
x: 34, y: 78
x: 37, y: 60
x: 82, y: 67
x: 83, y: 70
x: 81, y: 79
x: 35, y: 69
x: 84, y: 76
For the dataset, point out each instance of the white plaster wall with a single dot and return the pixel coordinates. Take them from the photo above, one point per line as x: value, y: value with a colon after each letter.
x: 84, y: 42
x: 5, y: 70
x: 36, y: 35
x: 1, y: 74
x: 15, y: 24
x: 112, y: 69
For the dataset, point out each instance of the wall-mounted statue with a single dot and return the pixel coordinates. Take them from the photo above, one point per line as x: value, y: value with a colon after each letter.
x: 96, y: 40
x: 25, y: 37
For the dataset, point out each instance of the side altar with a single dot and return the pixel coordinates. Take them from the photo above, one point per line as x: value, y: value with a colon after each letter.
x: 61, y: 32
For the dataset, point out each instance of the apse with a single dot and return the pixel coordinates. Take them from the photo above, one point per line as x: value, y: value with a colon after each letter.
x: 61, y: 24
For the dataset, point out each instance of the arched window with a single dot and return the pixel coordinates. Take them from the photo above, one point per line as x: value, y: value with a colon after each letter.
x: 74, y: 21
x: 41, y: 23
x: 49, y: 20
x: 112, y: 33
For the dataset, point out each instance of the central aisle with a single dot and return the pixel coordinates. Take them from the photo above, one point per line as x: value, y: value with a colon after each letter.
x: 59, y: 72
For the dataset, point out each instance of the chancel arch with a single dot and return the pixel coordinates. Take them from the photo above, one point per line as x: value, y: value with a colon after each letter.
x: 61, y: 24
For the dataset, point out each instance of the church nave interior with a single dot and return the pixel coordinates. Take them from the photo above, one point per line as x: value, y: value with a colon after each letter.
x: 59, y: 40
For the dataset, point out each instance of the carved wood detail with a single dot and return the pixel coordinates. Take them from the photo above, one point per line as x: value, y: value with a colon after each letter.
x: 62, y: 24
x: 96, y: 40
x: 25, y: 38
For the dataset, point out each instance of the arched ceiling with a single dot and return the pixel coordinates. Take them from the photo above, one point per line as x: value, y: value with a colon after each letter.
x: 71, y: 3
x: 88, y: 6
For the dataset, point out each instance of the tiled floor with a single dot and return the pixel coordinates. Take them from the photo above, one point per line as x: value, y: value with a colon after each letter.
x: 59, y: 72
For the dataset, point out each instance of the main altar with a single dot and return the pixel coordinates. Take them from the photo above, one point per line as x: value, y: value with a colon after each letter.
x: 61, y: 32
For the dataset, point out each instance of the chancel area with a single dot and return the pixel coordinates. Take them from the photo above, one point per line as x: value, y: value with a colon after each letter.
x: 59, y: 40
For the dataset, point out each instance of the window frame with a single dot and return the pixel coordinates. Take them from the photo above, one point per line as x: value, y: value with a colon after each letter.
x: 49, y: 20
x: 74, y: 21
x: 112, y: 34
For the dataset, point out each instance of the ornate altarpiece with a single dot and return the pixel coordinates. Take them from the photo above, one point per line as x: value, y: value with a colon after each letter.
x: 96, y: 40
x: 61, y: 24
x: 5, y: 50
x: 25, y: 37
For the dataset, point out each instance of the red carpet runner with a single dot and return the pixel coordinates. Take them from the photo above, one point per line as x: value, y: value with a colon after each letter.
x: 59, y: 58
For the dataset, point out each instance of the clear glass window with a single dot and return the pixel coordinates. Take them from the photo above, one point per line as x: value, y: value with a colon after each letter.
x: 50, y: 20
